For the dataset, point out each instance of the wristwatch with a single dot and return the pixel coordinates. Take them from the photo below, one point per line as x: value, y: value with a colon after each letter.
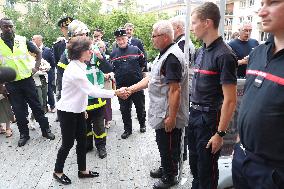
x: 221, y: 133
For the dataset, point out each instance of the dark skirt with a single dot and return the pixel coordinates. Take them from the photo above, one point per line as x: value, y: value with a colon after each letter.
x: 108, y: 110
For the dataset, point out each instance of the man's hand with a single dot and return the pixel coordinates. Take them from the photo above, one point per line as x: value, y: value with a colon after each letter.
x: 170, y: 124
x: 216, y: 142
x: 34, y: 70
x: 243, y: 61
x: 122, y: 93
x: 98, y: 54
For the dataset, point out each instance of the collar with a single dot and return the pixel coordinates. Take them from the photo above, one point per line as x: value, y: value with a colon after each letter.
x: 179, y: 37
x: 41, y: 47
x: 165, y: 49
x: 83, y: 66
x: 213, y: 44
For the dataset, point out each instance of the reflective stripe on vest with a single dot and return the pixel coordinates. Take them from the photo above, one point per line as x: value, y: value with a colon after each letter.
x: 92, y: 133
x: 61, y: 65
x: 95, y: 106
x: 19, y: 59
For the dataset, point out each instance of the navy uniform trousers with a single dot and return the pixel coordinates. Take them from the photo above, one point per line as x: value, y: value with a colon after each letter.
x: 203, y: 164
x: 138, y: 99
x: 253, y: 172
x: 169, y: 148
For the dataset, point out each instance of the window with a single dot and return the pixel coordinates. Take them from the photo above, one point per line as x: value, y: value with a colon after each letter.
x: 251, y: 3
x: 242, y: 3
x: 10, y: 3
x: 228, y: 21
x: 241, y: 20
x: 263, y: 36
x: 249, y: 18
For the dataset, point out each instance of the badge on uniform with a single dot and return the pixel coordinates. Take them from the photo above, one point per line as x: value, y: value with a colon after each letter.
x: 258, y: 81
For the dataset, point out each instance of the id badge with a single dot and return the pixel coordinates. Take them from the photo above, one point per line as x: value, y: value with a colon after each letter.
x: 258, y: 81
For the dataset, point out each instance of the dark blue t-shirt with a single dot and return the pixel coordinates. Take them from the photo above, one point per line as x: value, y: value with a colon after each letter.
x: 242, y: 49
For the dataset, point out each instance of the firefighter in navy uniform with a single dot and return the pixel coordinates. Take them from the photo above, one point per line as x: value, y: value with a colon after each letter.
x: 58, y: 49
x: 128, y: 62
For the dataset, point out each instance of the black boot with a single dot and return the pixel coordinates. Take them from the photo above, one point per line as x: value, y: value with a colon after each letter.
x: 48, y: 134
x: 23, y: 140
x: 165, y: 182
x: 125, y: 135
x: 157, y: 173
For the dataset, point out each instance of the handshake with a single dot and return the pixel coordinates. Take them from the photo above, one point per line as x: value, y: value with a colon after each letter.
x: 124, y: 92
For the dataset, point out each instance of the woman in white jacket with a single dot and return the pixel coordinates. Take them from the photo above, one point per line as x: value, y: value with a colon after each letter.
x: 72, y: 105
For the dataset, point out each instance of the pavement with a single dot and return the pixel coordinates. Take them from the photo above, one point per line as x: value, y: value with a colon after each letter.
x: 126, y: 166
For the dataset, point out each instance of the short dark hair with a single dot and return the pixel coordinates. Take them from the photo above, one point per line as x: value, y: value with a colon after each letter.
x: 208, y: 10
x: 4, y: 19
x: 77, y: 45
x: 99, y: 30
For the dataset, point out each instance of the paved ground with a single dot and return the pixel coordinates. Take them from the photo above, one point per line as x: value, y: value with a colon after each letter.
x: 127, y: 165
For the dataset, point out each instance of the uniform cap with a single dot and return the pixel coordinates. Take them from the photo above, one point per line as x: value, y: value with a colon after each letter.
x: 64, y: 22
x: 120, y: 32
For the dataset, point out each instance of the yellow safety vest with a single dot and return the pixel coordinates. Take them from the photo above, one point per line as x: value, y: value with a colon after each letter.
x: 20, y: 59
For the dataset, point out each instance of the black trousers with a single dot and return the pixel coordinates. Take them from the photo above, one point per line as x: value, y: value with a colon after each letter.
x: 21, y: 94
x: 73, y: 126
x: 169, y: 148
x: 252, y: 172
x: 138, y: 99
x: 203, y: 164
x: 96, y: 129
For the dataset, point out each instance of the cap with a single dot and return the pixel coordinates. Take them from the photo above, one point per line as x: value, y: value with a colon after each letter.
x: 64, y: 22
x: 120, y: 32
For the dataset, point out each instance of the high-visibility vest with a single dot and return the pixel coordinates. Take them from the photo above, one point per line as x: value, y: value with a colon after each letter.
x: 19, y: 59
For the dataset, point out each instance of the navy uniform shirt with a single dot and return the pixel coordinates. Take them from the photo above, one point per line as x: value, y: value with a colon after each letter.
x: 214, y: 66
x: 261, y: 114
x: 127, y: 65
x: 58, y: 49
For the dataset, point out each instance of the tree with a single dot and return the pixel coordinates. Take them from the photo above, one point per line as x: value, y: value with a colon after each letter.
x: 42, y: 18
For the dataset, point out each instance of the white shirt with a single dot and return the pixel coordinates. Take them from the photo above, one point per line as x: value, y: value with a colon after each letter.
x: 76, y: 87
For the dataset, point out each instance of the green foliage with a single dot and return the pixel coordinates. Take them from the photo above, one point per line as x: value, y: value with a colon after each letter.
x: 42, y: 19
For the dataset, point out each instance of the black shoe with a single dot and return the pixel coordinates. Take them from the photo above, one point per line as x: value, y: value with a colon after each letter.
x: 102, y: 153
x: 165, y: 182
x: 91, y: 174
x: 48, y: 134
x: 23, y: 140
x: 63, y: 179
x: 125, y: 135
x: 142, y: 129
x: 157, y: 173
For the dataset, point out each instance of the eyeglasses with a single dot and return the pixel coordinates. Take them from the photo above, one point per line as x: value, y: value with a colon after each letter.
x: 153, y: 36
x: 96, y: 36
x: 247, y: 30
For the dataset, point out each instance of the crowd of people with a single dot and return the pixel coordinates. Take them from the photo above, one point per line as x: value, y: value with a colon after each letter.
x: 196, y: 97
